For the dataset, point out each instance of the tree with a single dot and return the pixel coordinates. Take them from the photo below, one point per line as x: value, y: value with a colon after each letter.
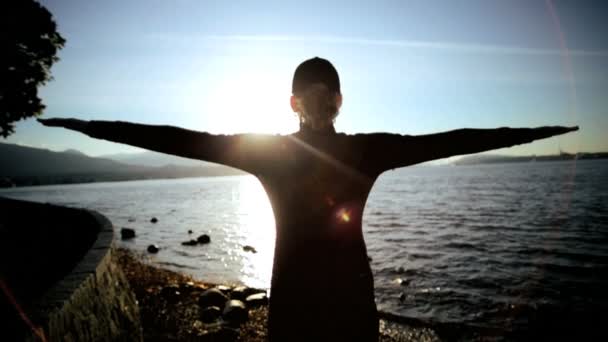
x: 29, y: 42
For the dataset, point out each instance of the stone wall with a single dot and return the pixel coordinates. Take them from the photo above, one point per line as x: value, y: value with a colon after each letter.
x: 94, y: 302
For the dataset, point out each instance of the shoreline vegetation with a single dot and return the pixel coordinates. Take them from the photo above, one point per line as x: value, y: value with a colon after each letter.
x: 170, y: 308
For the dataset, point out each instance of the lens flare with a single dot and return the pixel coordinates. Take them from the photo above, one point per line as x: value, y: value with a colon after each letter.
x: 344, y: 215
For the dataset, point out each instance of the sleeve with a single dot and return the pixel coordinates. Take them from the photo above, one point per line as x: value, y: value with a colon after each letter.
x: 388, y: 151
x: 248, y: 152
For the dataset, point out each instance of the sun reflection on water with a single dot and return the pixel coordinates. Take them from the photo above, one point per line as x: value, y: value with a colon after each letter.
x: 257, y: 226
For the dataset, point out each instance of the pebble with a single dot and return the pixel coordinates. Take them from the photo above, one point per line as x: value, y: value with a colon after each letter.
x: 190, y: 243
x: 154, y: 220
x: 402, y: 297
x: 190, y: 231
x: 392, y: 331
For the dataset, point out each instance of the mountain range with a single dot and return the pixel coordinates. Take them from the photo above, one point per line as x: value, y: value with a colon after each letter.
x: 154, y: 159
x: 21, y: 165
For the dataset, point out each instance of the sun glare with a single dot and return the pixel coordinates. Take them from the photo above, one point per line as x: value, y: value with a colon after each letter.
x: 258, y: 228
x: 251, y: 103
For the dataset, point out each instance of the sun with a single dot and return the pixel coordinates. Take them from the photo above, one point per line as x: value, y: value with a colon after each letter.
x: 251, y: 103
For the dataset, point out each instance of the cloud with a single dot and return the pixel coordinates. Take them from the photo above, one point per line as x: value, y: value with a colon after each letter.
x: 412, y: 44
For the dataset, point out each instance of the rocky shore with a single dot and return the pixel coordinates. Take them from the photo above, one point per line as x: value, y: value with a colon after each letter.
x: 176, y: 307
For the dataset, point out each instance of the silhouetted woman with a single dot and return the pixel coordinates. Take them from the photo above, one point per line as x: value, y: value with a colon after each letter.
x: 317, y: 181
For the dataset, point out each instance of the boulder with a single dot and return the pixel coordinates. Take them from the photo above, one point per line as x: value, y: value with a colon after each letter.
x: 235, y: 311
x: 210, y: 314
x: 188, y: 287
x: 127, y: 233
x: 257, y: 299
x: 242, y: 292
x: 248, y: 248
x: 203, y: 239
x: 153, y: 249
x: 225, y: 289
x: 190, y: 243
x: 154, y: 220
x: 212, y: 297
x: 170, y: 293
x: 402, y: 297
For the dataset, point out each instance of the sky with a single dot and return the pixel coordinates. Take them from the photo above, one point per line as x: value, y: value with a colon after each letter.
x: 408, y: 67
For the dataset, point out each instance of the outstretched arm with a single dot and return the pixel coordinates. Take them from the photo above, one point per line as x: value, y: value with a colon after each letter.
x: 247, y: 152
x: 389, y: 151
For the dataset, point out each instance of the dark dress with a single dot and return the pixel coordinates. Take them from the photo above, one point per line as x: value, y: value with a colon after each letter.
x: 317, y: 182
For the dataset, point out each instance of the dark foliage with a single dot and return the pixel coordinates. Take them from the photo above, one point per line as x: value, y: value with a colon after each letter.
x: 29, y: 42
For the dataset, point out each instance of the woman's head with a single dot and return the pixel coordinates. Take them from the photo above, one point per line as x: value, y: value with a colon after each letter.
x: 316, y: 93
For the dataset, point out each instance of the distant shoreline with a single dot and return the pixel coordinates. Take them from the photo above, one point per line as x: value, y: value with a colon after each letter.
x: 501, y: 159
x: 194, y: 172
x: 24, y: 181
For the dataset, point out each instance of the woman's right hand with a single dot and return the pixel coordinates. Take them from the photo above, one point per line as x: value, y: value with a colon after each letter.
x: 73, y: 124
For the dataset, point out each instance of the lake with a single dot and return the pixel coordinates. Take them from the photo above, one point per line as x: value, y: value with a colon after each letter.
x: 501, y: 246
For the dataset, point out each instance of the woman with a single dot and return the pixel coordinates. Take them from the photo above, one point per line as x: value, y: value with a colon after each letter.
x: 317, y: 181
